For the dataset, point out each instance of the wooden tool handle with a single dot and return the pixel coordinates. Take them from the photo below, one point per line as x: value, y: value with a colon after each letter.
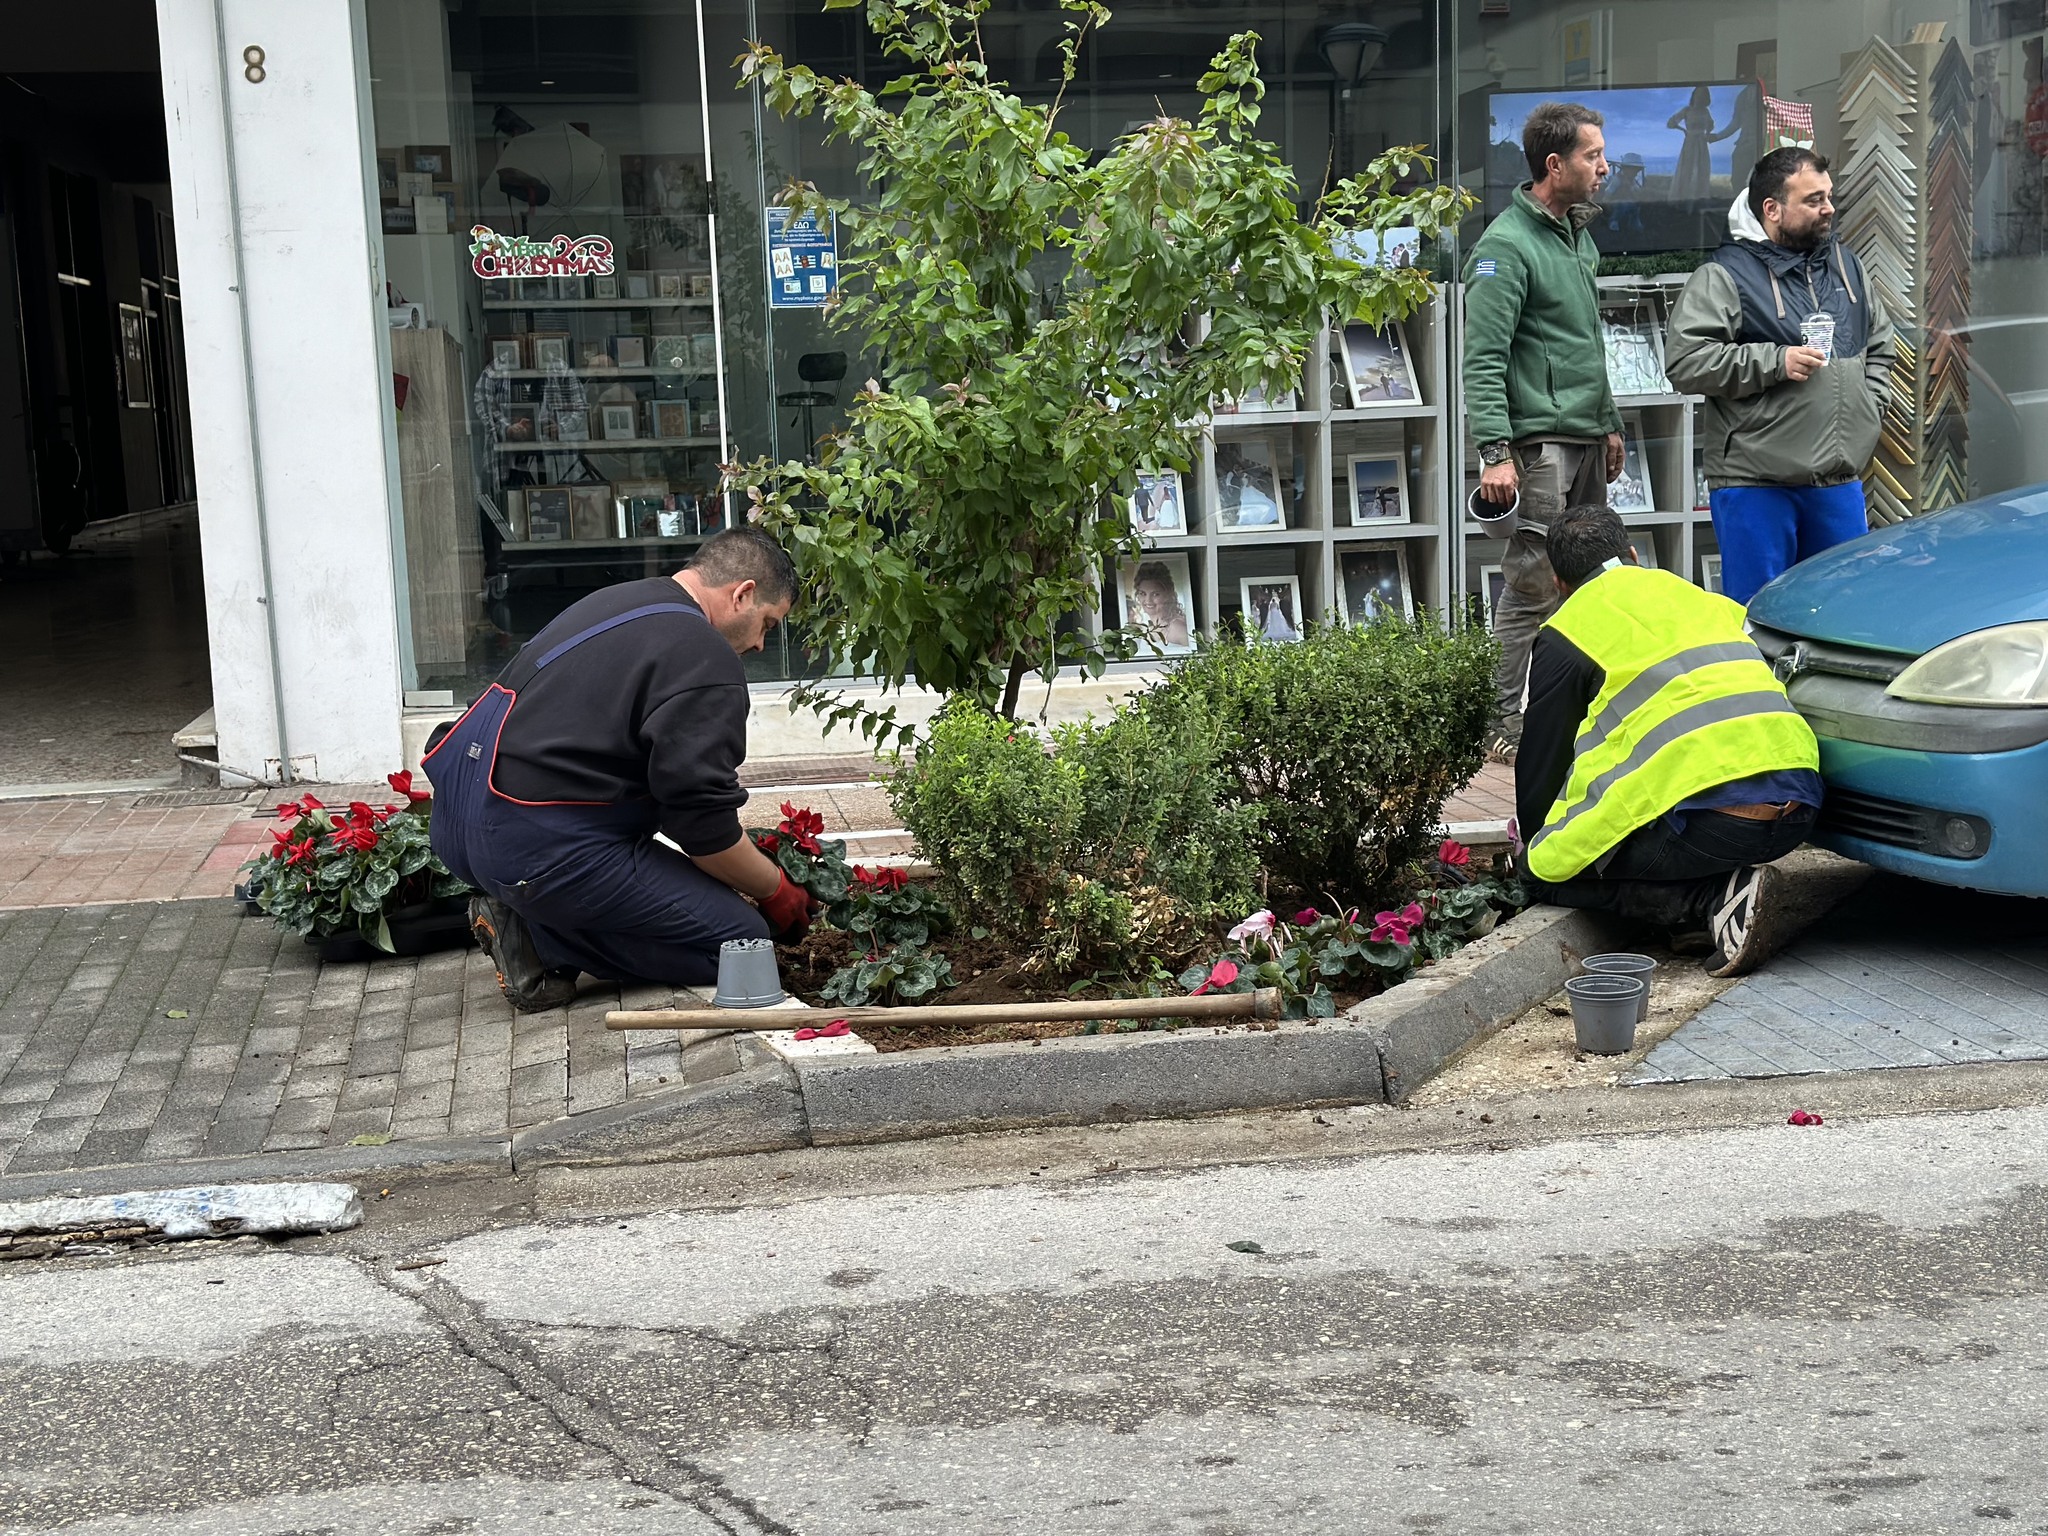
x: 1265, y: 1003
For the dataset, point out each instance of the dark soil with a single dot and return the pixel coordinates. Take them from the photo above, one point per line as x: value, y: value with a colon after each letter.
x: 985, y: 971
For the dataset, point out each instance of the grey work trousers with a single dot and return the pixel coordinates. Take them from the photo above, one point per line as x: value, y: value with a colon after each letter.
x: 1554, y: 476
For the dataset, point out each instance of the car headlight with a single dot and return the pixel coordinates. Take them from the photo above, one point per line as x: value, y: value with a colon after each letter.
x: 2001, y: 668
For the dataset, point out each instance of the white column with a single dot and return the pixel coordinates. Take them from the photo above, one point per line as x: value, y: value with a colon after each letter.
x: 290, y: 381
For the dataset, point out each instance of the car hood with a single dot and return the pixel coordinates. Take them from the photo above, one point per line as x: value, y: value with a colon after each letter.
x: 1919, y: 584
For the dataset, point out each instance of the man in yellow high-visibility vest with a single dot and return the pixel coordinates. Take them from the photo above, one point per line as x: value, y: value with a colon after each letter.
x: 1662, y: 767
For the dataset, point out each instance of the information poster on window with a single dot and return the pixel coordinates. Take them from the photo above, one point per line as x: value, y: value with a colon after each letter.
x: 803, y: 259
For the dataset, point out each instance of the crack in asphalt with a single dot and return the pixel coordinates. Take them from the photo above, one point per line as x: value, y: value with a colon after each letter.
x: 638, y: 1460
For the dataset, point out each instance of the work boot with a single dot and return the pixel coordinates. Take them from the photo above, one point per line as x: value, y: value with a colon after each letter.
x: 1504, y: 741
x: 1745, y: 921
x: 528, y: 986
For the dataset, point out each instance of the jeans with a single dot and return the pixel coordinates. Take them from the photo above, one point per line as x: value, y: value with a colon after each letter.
x: 1554, y: 476
x: 1671, y: 873
x: 1765, y: 530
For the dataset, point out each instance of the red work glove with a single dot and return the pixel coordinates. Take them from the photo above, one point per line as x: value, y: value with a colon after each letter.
x: 788, y: 912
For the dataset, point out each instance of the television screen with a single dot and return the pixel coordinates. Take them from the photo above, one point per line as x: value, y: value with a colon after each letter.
x: 1679, y: 154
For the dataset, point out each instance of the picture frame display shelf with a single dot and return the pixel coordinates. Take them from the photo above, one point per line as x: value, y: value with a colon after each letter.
x: 1267, y: 507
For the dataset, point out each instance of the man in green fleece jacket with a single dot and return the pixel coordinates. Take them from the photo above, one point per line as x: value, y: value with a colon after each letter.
x: 1536, y: 393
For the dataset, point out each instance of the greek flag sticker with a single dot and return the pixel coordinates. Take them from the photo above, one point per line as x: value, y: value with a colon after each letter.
x: 1484, y: 268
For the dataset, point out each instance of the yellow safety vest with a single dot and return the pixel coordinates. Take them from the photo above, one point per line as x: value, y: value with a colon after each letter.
x: 1688, y: 703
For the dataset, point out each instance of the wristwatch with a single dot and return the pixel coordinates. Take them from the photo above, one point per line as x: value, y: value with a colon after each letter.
x: 1495, y: 453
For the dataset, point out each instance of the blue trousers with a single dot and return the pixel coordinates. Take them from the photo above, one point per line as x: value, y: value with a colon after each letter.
x: 1765, y: 530
x: 597, y: 893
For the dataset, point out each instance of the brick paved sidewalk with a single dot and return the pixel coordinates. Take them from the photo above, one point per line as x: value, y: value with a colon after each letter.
x: 153, y: 1031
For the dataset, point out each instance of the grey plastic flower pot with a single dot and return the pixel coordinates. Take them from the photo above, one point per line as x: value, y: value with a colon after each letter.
x: 1604, y: 1012
x: 1620, y: 964
x: 1497, y: 521
x: 747, y: 975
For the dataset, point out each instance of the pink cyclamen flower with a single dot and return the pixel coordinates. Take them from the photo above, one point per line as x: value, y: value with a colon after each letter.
x: 1258, y: 926
x: 1453, y: 853
x: 1396, y: 927
x: 1221, y: 974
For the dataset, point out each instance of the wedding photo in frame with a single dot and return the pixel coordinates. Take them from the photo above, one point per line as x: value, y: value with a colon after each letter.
x: 1248, y: 484
x: 1272, y: 608
x: 1376, y: 367
x: 1710, y: 572
x: 1156, y: 598
x: 1378, y: 490
x: 1375, y: 582
x: 1158, y: 506
x: 1631, y: 491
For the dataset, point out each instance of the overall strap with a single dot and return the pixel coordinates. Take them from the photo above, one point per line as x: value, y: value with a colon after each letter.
x: 614, y: 622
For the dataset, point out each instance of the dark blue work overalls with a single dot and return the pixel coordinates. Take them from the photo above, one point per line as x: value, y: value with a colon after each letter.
x: 596, y: 891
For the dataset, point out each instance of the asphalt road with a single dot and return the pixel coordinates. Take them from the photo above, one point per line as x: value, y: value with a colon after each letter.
x: 1751, y: 1328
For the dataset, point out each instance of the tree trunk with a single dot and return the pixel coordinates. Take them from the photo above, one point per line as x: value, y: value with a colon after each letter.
x: 1014, y: 685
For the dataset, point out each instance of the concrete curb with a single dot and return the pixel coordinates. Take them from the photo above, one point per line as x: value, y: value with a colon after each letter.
x: 758, y: 1108
x: 490, y: 1154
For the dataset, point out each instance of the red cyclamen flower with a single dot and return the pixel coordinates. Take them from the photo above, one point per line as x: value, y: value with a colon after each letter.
x: 1803, y: 1117
x: 1221, y: 974
x: 1453, y: 853
x: 1306, y: 916
x: 402, y: 782
x: 300, y: 852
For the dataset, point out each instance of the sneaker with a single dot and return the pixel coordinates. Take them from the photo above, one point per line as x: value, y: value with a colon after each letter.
x: 1743, y: 921
x: 1502, y: 744
x: 528, y: 985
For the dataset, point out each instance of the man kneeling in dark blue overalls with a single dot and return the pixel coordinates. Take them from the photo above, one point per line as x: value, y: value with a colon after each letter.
x: 625, y: 717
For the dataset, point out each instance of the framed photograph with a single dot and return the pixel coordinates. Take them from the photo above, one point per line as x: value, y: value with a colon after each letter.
x: 1379, y: 491
x: 1247, y: 484
x: 508, y: 354
x: 412, y: 184
x: 629, y: 351
x: 522, y: 422
x: 135, y: 390
x: 1156, y: 597
x: 1645, y: 549
x: 1272, y: 608
x: 1157, y: 506
x: 430, y: 214
x: 704, y: 416
x: 1375, y: 578
x: 703, y: 351
x: 387, y: 175
x: 1492, y: 582
x: 572, y: 426
x: 1256, y: 399
x: 671, y: 353
x: 595, y: 357
x: 398, y: 218
x: 1702, y: 493
x: 605, y: 287
x: 1634, y: 347
x: 547, y: 513
x: 533, y: 290
x: 570, y: 287
x: 590, y: 511
x: 431, y: 161
x: 1376, y: 367
x: 699, y: 286
x: 1631, y: 491
x: 550, y: 350
x: 1395, y: 249
x: 617, y: 423
x: 1710, y: 572
x: 636, y: 285
x: 671, y: 418
x: 668, y: 285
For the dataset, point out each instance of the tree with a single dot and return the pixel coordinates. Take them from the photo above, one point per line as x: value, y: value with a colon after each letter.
x: 966, y: 508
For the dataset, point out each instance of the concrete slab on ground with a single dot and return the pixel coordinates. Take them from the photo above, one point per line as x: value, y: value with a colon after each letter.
x: 1902, y: 975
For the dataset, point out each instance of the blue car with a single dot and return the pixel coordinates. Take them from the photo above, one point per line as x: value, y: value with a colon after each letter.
x: 1919, y: 654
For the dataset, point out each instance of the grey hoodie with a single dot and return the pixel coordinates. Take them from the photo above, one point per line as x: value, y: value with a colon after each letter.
x: 1730, y: 329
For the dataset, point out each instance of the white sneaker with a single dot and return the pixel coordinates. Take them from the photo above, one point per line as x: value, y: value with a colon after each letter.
x: 1743, y: 921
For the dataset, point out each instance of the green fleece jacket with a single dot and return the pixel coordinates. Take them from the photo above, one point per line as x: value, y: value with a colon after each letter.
x: 1534, y: 365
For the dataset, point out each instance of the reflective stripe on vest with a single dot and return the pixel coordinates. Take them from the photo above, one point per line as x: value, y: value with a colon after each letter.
x: 1686, y: 703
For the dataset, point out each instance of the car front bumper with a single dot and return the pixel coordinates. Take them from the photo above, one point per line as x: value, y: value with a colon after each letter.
x: 1976, y: 819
